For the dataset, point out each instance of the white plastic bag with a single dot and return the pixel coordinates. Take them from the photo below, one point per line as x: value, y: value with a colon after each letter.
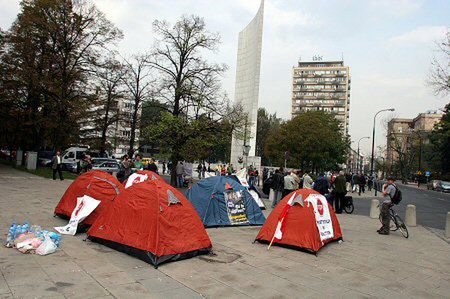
x: 47, y: 247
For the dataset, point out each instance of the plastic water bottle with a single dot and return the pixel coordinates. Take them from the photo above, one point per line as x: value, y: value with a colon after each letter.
x: 55, y: 237
x: 11, y: 233
x: 25, y: 227
x: 18, y: 231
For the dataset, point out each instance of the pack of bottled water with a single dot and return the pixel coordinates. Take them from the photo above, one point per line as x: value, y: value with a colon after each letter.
x: 32, y: 239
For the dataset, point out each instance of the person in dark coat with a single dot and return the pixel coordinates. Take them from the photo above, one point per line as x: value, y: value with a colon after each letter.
x: 152, y: 166
x: 277, y: 186
x: 321, y: 184
x: 340, y: 191
x: 57, y: 165
x: 362, y: 183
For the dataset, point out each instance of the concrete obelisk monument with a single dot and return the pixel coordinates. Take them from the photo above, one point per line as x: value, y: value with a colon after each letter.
x: 247, y: 90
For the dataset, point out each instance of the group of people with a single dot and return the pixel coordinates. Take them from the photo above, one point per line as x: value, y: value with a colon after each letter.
x: 356, y: 182
x: 333, y: 186
x: 127, y: 164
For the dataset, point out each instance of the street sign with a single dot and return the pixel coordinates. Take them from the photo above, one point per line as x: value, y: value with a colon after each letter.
x: 427, y: 173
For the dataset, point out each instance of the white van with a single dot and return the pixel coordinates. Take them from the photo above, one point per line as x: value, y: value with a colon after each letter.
x: 74, y: 155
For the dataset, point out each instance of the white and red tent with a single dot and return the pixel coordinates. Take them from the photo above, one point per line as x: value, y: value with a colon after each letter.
x: 303, y: 220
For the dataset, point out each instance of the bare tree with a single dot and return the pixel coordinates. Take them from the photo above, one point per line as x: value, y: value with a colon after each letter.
x: 139, y: 87
x: 439, y: 77
x: 109, y: 90
x: 188, y: 85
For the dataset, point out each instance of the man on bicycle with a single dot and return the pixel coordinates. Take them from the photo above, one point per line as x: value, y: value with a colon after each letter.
x: 388, y: 193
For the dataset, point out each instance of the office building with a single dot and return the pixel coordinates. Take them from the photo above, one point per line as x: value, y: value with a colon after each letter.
x: 402, y: 131
x: 322, y: 85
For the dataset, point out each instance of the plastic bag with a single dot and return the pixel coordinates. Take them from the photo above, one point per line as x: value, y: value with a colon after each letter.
x: 47, y: 247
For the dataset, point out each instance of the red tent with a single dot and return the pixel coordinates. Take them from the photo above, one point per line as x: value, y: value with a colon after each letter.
x: 304, y: 216
x: 97, y: 184
x: 154, y: 222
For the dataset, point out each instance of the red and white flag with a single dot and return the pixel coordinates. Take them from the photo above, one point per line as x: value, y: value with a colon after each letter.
x: 279, y: 230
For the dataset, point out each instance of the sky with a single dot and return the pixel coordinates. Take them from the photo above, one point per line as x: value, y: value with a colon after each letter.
x: 388, y: 44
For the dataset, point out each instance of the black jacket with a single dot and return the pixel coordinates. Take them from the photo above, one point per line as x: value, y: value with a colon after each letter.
x: 152, y: 167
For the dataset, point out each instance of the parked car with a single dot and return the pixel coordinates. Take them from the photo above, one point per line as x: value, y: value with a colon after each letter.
x: 443, y: 186
x: 432, y: 185
x: 97, y: 161
x: 108, y: 166
x: 45, y: 158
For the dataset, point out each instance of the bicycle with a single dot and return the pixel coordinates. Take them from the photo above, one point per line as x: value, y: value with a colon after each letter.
x: 396, y: 223
x: 348, y: 205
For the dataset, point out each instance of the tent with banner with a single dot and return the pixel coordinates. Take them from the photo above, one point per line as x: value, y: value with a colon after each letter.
x: 97, y: 184
x: 140, y: 176
x: 302, y: 220
x: 222, y: 201
x: 241, y: 177
x: 154, y: 222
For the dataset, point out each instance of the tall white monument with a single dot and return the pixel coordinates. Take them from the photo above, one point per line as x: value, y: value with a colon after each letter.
x: 247, y: 89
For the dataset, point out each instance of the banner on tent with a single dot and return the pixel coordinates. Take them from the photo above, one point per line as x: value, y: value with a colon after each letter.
x: 323, y: 216
x: 135, y: 178
x: 85, y: 206
x: 236, y: 207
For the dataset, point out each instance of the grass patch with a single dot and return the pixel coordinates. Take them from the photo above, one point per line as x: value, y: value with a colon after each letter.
x: 45, y: 172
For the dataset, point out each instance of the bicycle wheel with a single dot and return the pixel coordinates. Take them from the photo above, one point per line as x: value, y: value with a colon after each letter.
x: 401, y: 226
x: 349, y: 208
x: 393, y: 226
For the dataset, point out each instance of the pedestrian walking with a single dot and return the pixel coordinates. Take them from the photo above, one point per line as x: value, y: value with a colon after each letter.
x: 362, y: 183
x: 169, y: 167
x: 203, y: 170
x: 277, y: 186
x: 369, y: 183
x: 57, y: 165
x: 307, y: 181
x: 179, y: 171
x: 199, y: 170
x: 296, y: 177
x: 164, y: 167
x: 340, y: 192
x: 289, y: 184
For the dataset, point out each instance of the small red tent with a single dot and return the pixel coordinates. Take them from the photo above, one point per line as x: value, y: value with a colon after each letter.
x: 304, y: 220
x: 97, y: 184
x: 154, y: 222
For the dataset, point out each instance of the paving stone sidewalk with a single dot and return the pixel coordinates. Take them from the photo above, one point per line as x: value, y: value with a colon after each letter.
x: 365, y: 265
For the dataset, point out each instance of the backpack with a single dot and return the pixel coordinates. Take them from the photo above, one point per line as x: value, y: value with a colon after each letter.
x: 397, y: 198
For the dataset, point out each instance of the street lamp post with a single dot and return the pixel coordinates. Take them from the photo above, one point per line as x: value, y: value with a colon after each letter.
x: 358, y: 168
x: 373, y: 137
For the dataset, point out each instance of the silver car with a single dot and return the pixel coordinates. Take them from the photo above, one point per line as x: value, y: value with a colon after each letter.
x: 107, y: 166
x: 443, y: 186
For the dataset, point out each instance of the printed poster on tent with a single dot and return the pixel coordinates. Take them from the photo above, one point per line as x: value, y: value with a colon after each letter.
x: 236, y: 207
x: 322, y: 215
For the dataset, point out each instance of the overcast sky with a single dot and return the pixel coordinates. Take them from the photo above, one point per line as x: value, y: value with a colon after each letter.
x: 387, y: 44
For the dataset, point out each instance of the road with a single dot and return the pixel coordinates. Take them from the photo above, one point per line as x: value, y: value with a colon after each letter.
x: 431, y: 206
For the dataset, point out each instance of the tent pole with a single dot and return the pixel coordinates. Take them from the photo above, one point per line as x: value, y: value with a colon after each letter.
x: 271, y: 242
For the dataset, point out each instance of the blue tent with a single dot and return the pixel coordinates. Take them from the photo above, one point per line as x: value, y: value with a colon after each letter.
x: 221, y: 201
